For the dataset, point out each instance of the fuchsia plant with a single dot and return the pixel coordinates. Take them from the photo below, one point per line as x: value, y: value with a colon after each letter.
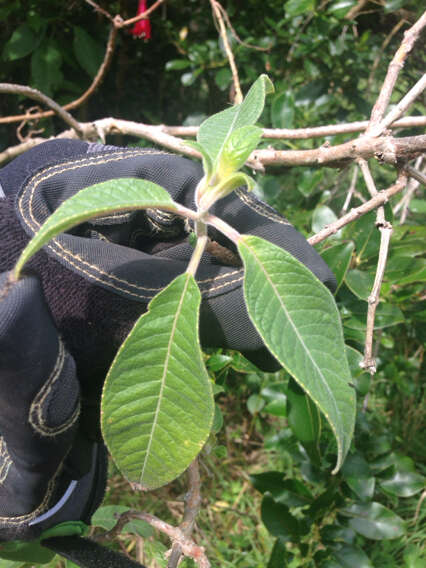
x: 142, y: 28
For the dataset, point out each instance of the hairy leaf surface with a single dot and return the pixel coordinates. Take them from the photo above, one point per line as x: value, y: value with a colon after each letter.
x: 157, y: 404
x: 298, y: 320
x: 106, y: 197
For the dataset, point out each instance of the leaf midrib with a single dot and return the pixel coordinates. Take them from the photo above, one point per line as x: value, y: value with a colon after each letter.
x: 295, y: 329
x: 163, y: 379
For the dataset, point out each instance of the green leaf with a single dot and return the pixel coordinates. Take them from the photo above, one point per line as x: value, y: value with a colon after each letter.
x: 207, y: 161
x: 297, y: 318
x: 255, y: 403
x: 106, y: 197
x: 356, y: 472
x: 276, y: 399
x: 322, y: 217
x: 338, y: 258
x: 290, y: 492
x: 360, y: 378
x: 374, y: 521
x: 237, y: 148
x: 177, y: 64
x: 46, y: 63
x: 22, y: 42
x: 157, y: 402
x: 283, y: 111
x: 106, y: 517
x: 360, y: 282
x: 88, y: 52
x: 309, y: 179
x: 304, y: 420
x: 365, y: 235
x: 400, y: 477
x: 351, y: 557
x: 298, y: 7
x: 279, y: 554
x: 278, y: 520
x: 215, y: 131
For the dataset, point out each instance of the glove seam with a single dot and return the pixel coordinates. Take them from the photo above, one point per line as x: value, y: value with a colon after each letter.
x: 33, y: 224
x: 260, y: 208
x: 7, y: 460
x: 35, y: 416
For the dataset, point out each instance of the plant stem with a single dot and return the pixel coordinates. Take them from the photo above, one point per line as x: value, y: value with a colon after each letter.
x: 232, y: 234
x: 202, y: 239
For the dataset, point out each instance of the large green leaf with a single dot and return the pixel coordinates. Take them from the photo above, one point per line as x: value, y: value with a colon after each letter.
x: 113, y: 195
x: 215, y: 131
x: 374, y: 521
x: 157, y: 403
x: 356, y: 472
x: 298, y: 320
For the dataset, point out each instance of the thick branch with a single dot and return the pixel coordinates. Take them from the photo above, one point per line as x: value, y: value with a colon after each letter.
x: 36, y: 95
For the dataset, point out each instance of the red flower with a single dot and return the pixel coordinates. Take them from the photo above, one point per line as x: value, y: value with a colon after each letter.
x: 142, y: 28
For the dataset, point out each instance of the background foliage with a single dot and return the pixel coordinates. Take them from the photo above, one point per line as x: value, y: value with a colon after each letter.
x: 268, y: 491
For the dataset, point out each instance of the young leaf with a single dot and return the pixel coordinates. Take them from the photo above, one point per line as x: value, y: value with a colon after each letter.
x: 224, y: 188
x: 207, y: 161
x: 215, y: 131
x: 297, y: 318
x: 156, y: 421
x: 238, y: 147
x: 94, y: 201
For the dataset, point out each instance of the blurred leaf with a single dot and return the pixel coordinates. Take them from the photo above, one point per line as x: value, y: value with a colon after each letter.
x: 276, y: 399
x: 360, y: 282
x: 418, y: 206
x: 337, y: 533
x: 351, y: 557
x: 106, y: 517
x: 223, y: 78
x: 356, y: 472
x: 322, y: 217
x: 400, y: 477
x: 304, y: 419
x: 338, y: 258
x: 365, y: 235
x: 255, y: 403
x: 297, y: 7
x: 279, y: 554
x: 394, y: 5
x: 386, y: 315
x: 309, y: 179
x: 374, y: 521
x: 360, y: 378
x: 278, y: 520
x: 22, y: 42
x: 218, y: 361
x: 177, y: 64
x: 46, y: 63
x: 340, y: 8
x: 88, y: 52
x: 323, y: 502
x: 290, y: 492
x: 217, y: 419
x: 282, y: 111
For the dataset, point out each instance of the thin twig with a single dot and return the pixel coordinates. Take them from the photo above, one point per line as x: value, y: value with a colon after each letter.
x: 351, y: 189
x: 371, y: 186
x: 400, y: 108
x: 369, y: 363
x: 217, y: 13
x: 412, y: 185
x: 36, y: 95
x: 109, y: 51
x: 418, y: 176
x: 395, y: 66
x: 381, y: 198
x: 100, y: 10
x: 142, y: 16
x: 236, y: 36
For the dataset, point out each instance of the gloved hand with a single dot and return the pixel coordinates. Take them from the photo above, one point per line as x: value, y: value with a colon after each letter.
x: 90, y: 285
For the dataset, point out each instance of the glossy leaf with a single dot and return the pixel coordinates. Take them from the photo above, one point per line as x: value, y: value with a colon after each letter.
x: 297, y: 318
x: 278, y: 520
x: 157, y: 403
x: 304, y: 419
x: 215, y: 131
x: 338, y: 258
x: 374, y: 521
x: 400, y: 477
x: 276, y: 399
x: 360, y: 282
x: 106, y: 197
x: 283, y: 111
x: 290, y: 492
x: 356, y: 472
x: 351, y: 557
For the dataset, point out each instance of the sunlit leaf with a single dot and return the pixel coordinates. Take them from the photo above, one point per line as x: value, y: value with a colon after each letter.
x: 157, y: 403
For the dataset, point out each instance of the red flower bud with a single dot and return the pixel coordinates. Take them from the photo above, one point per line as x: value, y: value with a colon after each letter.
x: 142, y: 28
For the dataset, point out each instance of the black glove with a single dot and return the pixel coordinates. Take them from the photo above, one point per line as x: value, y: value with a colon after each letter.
x: 97, y: 279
